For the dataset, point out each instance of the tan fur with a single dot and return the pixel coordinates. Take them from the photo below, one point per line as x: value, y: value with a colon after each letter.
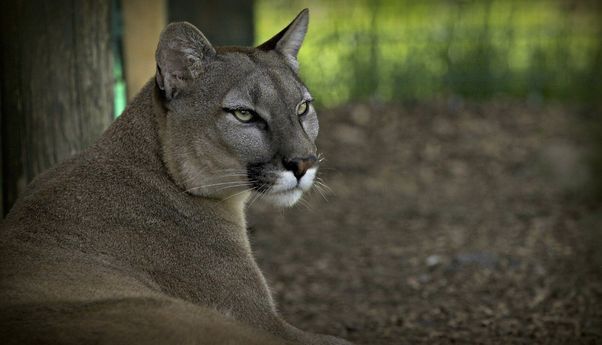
x: 109, y: 247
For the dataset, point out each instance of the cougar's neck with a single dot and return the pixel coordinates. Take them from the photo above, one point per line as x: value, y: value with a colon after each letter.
x: 136, y: 137
x: 236, y: 207
x: 230, y: 208
x: 133, y: 140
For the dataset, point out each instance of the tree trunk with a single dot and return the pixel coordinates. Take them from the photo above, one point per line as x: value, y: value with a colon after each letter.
x: 223, y: 22
x: 56, y: 67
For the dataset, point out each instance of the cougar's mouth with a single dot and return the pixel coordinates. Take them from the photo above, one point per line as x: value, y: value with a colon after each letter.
x: 280, y: 187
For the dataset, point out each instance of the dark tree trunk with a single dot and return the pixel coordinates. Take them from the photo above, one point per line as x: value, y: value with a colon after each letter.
x: 56, y: 68
x: 224, y: 22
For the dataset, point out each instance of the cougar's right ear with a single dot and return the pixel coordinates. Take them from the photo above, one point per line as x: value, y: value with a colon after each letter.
x: 180, y: 56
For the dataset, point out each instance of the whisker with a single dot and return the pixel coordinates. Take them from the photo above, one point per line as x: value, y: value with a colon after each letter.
x: 217, y: 178
x: 219, y: 184
x: 211, y: 178
x: 265, y: 193
x: 306, y: 204
x: 235, y: 194
x: 232, y: 183
x: 255, y: 197
x: 229, y: 174
x: 321, y: 157
x: 234, y: 186
x: 319, y: 189
x: 320, y: 182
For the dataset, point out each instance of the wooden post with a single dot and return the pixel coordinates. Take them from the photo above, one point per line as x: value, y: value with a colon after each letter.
x: 143, y: 21
x: 57, y: 83
x: 224, y: 22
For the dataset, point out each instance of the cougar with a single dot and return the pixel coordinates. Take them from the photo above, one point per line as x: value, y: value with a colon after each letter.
x: 141, y: 238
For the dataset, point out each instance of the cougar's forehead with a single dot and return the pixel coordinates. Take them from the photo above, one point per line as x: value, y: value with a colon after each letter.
x: 268, y: 92
x: 262, y: 80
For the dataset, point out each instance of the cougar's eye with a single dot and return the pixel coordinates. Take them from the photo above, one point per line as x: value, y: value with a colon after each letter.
x: 243, y: 115
x: 302, y: 108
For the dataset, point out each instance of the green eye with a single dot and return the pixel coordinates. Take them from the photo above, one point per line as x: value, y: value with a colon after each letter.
x: 243, y: 115
x: 302, y: 108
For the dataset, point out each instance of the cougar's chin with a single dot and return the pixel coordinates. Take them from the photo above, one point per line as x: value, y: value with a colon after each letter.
x: 285, y: 198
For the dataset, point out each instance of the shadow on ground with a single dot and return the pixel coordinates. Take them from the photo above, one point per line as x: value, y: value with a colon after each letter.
x: 444, y: 225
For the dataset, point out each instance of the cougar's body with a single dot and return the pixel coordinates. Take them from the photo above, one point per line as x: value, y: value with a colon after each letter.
x: 139, y: 239
x: 110, y: 229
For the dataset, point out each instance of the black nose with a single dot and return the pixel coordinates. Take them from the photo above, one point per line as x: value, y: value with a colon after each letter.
x: 298, y: 166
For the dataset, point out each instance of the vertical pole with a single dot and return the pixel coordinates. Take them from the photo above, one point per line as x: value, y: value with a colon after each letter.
x: 143, y: 21
x: 56, y: 85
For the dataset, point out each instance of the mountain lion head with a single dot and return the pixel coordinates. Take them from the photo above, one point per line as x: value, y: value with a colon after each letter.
x: 238, y: 120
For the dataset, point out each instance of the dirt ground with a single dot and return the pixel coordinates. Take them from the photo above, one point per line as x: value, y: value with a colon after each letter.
x: 446, y: 224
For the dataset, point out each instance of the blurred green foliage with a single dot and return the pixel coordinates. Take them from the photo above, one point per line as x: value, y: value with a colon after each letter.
x: 119, y: 85
x: 387, y: 50
x: 119, y: 91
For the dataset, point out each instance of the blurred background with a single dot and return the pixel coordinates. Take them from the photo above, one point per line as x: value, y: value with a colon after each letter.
x: 463, y: 145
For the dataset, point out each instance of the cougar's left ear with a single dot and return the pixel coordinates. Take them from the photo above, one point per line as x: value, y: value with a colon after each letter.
x: 288, y: 41
x: 181, y: 54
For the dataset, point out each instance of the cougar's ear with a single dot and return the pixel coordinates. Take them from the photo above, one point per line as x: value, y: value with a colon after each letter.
x: 289, y: 40
x: 180, y: 56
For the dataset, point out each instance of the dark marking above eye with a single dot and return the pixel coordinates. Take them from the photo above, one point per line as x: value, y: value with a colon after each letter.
x: 255, y: 94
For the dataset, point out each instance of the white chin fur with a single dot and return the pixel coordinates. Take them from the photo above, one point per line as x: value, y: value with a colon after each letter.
x: 286, y: 198
x: 285, y: 182
x: 287, y: 191
x: 308, y: 179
